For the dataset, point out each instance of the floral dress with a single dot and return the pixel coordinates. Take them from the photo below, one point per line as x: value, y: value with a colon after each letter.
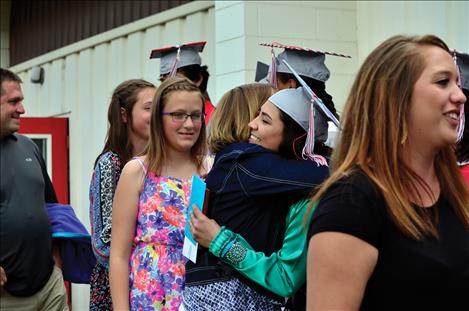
x: 157, y: 267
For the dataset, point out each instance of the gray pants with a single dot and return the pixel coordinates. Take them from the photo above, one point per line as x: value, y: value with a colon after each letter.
x: 52, y: 296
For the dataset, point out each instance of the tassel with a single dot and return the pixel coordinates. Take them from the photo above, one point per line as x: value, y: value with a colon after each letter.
x: 308, y: 149
x: 315, y: 98
x: 273, y: 69
x: 176, y: 61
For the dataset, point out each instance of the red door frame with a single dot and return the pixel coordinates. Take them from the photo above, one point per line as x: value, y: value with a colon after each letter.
x: 58, y: 129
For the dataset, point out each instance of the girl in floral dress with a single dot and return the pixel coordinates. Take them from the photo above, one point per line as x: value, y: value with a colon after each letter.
x: 147, y: 269
x: 127, y: 135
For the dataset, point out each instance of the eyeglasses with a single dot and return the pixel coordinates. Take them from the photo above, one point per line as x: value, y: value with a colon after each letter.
x: 181, y: 117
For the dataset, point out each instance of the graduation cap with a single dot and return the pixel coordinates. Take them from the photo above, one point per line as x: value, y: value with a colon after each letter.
x: 306, y: 62
x: 314, y: 98
x: 262, y: 69
x: 297, y: 104
x: 462, y: 61
x: 178, y: 56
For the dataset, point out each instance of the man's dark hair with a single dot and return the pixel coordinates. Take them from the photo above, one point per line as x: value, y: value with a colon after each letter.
x: 7, y: 75
x: 194, y: 73
x: 318, y: 87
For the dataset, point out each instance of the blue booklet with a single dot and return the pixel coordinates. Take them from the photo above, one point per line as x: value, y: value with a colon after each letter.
x: 198, y: 191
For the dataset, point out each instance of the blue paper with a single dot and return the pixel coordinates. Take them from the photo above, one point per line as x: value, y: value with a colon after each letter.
x: 197, y: 197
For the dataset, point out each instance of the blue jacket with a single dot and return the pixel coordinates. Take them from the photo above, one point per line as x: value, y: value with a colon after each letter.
x: 74, y: 242
x: 251, y: 189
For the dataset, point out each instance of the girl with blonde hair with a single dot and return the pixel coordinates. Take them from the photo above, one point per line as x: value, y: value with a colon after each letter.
x: 236, y: 108
x: 147, y: 269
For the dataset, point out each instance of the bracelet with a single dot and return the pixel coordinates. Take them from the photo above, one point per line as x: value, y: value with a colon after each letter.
x: 235, y: 254
x: 219, y: 243
x: 227, y: 247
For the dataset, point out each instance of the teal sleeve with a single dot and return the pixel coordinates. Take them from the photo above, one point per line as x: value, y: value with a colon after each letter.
x: 283, y: 272
x: 221, y: 240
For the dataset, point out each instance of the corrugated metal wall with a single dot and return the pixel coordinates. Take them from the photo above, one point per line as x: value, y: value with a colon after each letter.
x: 40, y: 26
x: 79, y: 80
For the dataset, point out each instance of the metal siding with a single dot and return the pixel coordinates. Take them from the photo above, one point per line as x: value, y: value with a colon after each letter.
x: 150, y: 41
x: 58, y: 90
x: 117, y: 61
x: 101, y: 94
x: 40, y: 26
x: 133, y: 52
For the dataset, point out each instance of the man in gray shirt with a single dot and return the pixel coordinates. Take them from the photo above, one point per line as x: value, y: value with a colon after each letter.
x: 28, y: 277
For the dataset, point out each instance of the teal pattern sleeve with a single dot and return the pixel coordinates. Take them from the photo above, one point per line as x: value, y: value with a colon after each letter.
x: 221, y: 240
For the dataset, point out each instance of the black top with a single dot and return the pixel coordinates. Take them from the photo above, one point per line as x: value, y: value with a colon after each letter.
x: 25, y: 232
x: 432, y: 274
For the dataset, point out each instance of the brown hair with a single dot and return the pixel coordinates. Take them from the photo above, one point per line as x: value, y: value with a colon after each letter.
x: 155, y: 150
x: 237, y: 107
x: 318, y: 87
x: 124, y: 96
x: 374, y: 127
x: 7, y: 75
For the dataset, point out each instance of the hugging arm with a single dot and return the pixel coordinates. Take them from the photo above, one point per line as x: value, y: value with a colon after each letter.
x: 278, y: 176
x: 283, y: 272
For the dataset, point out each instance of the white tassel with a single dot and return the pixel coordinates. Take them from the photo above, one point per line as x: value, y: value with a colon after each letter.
x: 176, y: 61
x: 273, y: 70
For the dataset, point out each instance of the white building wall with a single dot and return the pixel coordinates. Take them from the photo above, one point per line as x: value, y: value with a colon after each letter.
x: 79, y: 79
x: 379, y: 20
x: 349, y: 27
x: 324, y: 25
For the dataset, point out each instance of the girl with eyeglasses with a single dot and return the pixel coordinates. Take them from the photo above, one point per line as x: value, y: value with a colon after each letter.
x: 147, y: 269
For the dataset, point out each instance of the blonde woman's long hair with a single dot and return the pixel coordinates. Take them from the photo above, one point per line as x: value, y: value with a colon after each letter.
x: 374, y: 130
x: 155, y: 149
x: 237, y: 107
